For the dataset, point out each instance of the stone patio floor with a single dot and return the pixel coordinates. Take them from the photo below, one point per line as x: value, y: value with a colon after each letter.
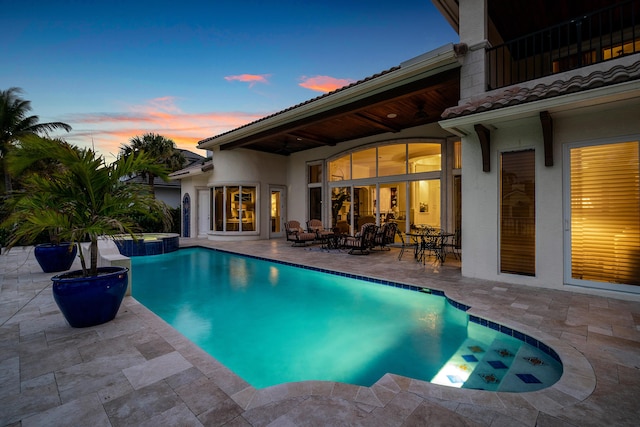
x: 137, y: 370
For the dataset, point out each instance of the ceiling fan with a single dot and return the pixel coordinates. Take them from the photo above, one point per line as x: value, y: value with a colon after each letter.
x: 420, y: 114
x: 285, y: 149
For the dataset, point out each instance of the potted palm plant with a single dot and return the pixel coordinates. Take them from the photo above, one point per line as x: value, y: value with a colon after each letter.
x: 82, y: 200
x: 55, y: 256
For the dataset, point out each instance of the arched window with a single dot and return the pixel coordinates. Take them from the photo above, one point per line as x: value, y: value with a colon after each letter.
x: 397, y: 182
x: 186, y: 215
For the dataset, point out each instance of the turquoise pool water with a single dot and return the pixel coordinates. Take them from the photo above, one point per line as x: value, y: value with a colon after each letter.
x: 272, y: 323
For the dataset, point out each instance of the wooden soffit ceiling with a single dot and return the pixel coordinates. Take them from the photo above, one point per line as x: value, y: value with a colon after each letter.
x: 417, y: 103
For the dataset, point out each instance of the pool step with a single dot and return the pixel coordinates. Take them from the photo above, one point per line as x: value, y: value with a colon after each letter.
x: 505, y: 365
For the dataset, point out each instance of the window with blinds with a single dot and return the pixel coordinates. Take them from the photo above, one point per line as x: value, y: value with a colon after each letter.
x: 605, y: 213
x: 518, y: 213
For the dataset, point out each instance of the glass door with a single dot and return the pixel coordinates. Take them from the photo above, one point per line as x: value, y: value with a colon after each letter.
x: 602, y: 223
x: 341, y: 217
x: 276, y: 209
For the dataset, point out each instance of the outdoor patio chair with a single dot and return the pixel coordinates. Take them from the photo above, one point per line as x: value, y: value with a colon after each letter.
x: 405, y: 244
x: 365, y: 220
x: 386, y: 235
x: 431, y: 243
x: 361, y: 242
x: 342, y: 227
x: 315, y: 226
x: 453, y: 247
x: 297, y: 234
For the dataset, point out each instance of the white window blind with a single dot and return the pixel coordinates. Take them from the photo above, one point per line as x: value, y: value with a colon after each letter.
x: 605, y: 213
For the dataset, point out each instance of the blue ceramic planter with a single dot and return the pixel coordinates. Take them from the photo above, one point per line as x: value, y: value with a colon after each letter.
x: 53, y: 258
x: 90, y: 301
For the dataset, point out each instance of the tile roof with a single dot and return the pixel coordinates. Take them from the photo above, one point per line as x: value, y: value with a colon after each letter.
x: 366, y: 79
x: 516, y: 95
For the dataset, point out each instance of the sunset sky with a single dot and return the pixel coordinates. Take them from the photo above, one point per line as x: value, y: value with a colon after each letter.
x: 191, y: 69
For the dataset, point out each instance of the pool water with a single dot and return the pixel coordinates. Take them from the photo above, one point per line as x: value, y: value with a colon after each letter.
x: 272, y: 323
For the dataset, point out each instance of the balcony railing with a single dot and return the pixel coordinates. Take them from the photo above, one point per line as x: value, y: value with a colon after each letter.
x: 597, y: 37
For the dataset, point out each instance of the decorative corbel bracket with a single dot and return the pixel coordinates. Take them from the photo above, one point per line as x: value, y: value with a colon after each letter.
x: 484, y: 135
x: 547, y: 137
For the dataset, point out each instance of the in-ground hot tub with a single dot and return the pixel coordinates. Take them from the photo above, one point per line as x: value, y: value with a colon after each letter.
x: 148, y: 244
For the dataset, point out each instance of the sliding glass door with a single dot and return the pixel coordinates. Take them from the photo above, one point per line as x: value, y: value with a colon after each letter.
x: 603, y: 215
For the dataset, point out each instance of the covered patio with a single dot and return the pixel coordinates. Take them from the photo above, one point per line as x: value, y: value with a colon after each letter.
x: 137, y: 370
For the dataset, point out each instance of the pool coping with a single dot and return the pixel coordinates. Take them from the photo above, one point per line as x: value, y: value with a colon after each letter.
x: 577, y: 383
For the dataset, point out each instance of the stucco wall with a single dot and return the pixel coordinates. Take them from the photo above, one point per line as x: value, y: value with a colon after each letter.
x: 481, y: 206
x: 190, y: 186
x: 480, y: 190
x: 241, y: 167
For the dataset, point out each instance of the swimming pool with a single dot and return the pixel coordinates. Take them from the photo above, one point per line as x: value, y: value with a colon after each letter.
x: 272, y: 323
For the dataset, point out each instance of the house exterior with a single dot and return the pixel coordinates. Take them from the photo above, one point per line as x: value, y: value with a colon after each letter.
x: 169, y: 191
x: 524, y: 135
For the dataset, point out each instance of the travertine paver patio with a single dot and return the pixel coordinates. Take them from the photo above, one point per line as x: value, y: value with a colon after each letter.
x: 136, y: 370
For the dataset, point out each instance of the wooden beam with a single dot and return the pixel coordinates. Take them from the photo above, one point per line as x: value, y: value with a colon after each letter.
x: 484, y: 135
x: 547, y: 137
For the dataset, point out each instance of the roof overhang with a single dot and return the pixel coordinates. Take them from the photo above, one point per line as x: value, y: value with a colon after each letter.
x: 414, y: 93
x: 605, y: 95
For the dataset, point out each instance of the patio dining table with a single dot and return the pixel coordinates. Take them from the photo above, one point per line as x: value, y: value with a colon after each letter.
x: 425, y: 241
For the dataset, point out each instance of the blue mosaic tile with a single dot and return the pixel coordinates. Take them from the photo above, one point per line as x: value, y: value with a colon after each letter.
x: 454, y: 379
x: 529, y: 378
x: 469, y: 358
x: 506, y: 330
x: 494, y: 326
x: 518, y: 335
x: 496, y: 364
x: 545, y: 348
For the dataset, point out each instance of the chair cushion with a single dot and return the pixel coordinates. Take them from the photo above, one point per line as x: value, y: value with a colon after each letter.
x: 306, y: 236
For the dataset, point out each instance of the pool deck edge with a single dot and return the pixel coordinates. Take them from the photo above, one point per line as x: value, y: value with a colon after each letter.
x: 139, y: 370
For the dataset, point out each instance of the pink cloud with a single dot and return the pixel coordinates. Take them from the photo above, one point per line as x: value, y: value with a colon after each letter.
x: 107, y: 132
x: 252, y: 79
x: 324, y: 83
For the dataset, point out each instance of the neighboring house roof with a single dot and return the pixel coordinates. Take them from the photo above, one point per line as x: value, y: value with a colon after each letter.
x: 194, y: 169
x: 519, y: 94
x: 191, y: 159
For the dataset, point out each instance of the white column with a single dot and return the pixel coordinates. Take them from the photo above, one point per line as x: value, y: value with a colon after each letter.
x: 473, y: 32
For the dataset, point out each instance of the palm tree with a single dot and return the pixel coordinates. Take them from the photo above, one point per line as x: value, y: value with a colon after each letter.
x: 157, y: 147
x: 16, y: 124
x: 83, y: 199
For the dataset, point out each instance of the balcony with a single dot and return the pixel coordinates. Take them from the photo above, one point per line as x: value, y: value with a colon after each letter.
x: 596, y: 37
